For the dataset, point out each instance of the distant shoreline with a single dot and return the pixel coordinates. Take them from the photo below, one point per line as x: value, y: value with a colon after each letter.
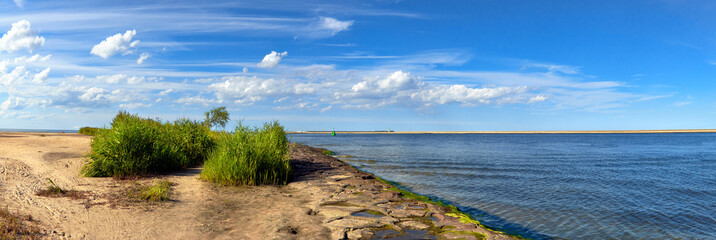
x: 514, y: 132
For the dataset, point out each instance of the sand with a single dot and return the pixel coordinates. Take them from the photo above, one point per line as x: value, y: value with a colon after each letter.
x: 327, y: 199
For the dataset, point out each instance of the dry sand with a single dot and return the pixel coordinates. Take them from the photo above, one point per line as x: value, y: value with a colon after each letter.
x: 320, y: 202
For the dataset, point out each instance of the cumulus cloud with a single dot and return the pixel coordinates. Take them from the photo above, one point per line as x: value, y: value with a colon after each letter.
x: 118, y: 43
x: 538, y: 98
x: 142, y: 57
x: 41, y: 76
x: 271, y: 60
x: 406, y: 89
x: 464, y: 95
x: 247, y: 90
x: 15, y: 76
x: 122, y: 78
x: 20, y: 36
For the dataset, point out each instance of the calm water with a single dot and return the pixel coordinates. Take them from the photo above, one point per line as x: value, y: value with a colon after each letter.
x: 574, y: 186
x: 37, y: 130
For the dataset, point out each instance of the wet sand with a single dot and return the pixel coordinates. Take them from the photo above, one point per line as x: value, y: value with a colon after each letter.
x: 327, y: 199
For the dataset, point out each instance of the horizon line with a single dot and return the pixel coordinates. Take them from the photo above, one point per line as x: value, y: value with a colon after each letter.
x: 511, y: 132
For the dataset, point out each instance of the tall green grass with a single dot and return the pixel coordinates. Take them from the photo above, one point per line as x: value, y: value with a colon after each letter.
x: 137, y: 146
x: 250, y: 157
x: 89, y: 131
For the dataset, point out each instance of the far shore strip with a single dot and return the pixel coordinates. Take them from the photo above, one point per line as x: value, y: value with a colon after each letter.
x: 515, y: 132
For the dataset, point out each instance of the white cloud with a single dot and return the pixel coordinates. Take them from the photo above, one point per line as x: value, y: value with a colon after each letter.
x: 122, y: 78
x: 247, y: 90
x: 41, y: 76
x: 20, y: 36
x: 245, y: 70
x: 118, y: 43
x: 401, y: 88
x: 538, y: 98
x: 142, y: 57
x: 165, y: 92
x: 112, y: 79
x: 464, y: 95
x: 134, y: 105
x: 271, y: 60
x: 20, y: 3
x: 195, y: 100
x: 33, y: 59
x: 17, y: 75
x: 332, y: 26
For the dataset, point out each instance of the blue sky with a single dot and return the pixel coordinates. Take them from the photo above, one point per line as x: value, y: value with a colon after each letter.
x: 362, y: 65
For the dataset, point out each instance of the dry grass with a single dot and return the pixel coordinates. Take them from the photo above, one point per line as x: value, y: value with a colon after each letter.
x: 55, y: 191
x: 17, y: 226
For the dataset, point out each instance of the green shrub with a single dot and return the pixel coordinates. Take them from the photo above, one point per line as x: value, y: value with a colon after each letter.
x: 250, y: 157
x: 137, y: 146
x: 89, y: 131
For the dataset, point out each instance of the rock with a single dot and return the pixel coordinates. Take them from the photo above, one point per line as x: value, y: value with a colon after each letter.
x: 362, y: 233
x: 459, y: 235
x: 353, y: 223
x: 414, y: 225
x: 403, y: 213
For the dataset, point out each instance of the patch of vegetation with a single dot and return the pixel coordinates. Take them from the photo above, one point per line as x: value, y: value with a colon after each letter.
x: 477, y: 235
x: 158, y: 192
x: 454, y: 211
x: 329, y: 152
x: 250, y: 157
x: 89, y: 131
x: 137, y: 146
x: 53, y: 190
x: 15, y: 226
x: 42, y: 135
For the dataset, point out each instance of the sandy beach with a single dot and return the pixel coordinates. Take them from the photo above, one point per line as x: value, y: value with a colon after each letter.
x: 327, y: 199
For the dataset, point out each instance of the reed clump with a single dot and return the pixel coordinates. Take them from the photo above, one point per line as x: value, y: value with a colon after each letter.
x: 89, y: 131
x: 250, y: 157
x: 138, y: 146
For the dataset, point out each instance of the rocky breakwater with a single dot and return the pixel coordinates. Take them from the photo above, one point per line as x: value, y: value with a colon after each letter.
x: 357, y: 205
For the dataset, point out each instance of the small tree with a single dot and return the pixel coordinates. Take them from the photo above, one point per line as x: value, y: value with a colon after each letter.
x: 216, y: 117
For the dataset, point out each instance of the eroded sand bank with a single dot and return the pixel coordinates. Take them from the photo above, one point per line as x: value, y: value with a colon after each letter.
x: 327, y: 199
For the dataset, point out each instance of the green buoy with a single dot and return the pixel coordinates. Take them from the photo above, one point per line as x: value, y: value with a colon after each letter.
x: 333, y: 133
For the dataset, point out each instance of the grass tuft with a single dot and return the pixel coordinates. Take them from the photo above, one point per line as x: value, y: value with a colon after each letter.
x: 157, y: 192
x: 329, y: 152
x: 14, y: 226
x: 250, y: 157
x: 137, y: 146
x: 89, y: 131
